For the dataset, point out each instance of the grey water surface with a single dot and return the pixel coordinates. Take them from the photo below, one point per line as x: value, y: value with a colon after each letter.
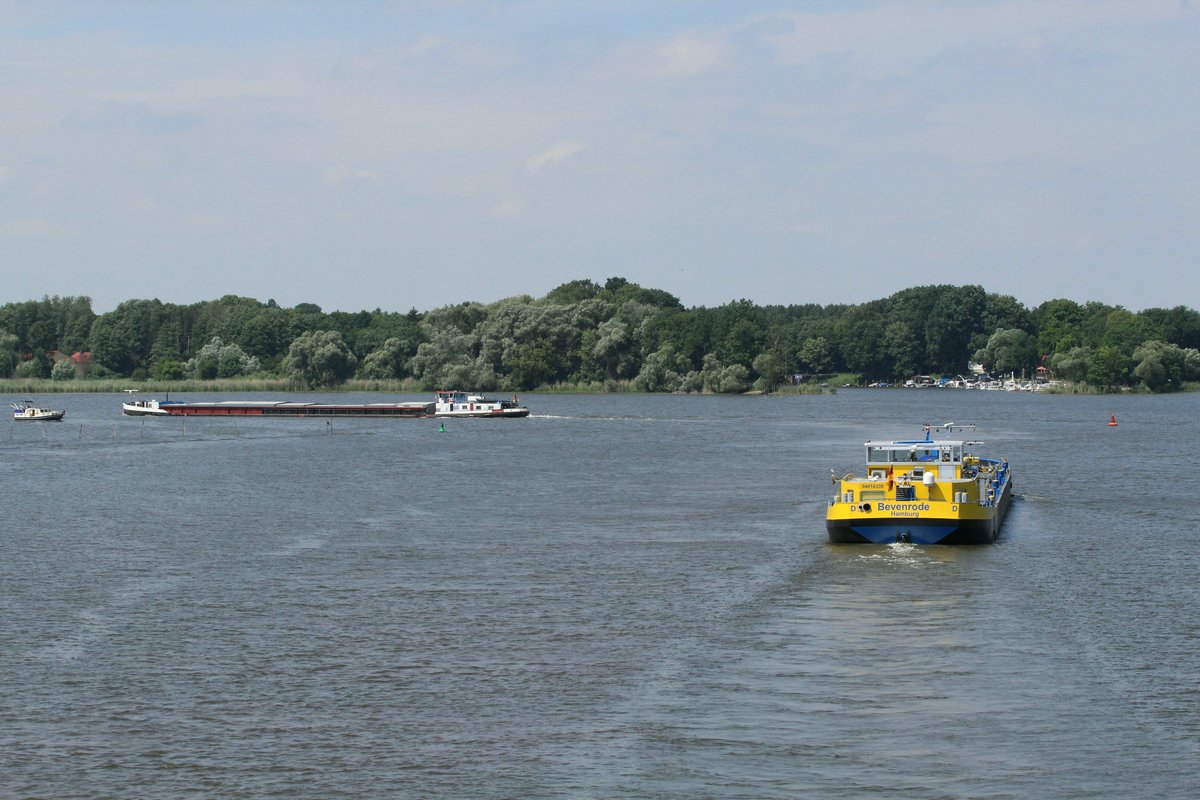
x: 621, y: 596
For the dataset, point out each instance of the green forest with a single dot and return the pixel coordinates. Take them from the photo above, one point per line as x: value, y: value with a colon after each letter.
x: 604, y: 337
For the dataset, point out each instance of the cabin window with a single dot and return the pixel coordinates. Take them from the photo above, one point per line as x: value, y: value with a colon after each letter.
x: 873, y: 494
x: 925, y: 454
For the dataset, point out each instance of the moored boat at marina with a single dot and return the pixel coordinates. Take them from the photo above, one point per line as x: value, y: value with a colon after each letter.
x: 921, y: 491
x: 28, y: 412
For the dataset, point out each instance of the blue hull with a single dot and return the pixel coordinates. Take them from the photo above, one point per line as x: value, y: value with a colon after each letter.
x: 910, y: 531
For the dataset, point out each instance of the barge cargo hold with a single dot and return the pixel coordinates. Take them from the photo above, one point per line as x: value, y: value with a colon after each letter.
x: 274, y: 408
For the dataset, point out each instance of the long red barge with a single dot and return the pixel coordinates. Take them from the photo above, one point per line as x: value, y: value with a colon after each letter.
x: 273, y: 408
x: 447, y: 404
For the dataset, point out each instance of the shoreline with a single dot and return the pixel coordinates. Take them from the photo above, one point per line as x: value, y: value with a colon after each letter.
x: 42, y: 386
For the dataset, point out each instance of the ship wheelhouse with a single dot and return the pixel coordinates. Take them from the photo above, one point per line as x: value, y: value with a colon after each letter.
x: 892, y: 459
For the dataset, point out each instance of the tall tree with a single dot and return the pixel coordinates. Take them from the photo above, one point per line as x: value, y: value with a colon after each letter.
x: 1059, y: 326
x: 319, y: 358
x: 1009, y: 350
x: 859, y: 339
x: 390, y: 360
x: 901, y: 351
x: 10, y: 353
x: 955, y: 318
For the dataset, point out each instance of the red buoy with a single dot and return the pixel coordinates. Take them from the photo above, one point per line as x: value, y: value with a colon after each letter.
x: 1112, y: 420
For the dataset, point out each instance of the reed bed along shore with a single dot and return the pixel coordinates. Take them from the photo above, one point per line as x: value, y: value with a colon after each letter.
x: 34, y: 386
x: 37, y: 386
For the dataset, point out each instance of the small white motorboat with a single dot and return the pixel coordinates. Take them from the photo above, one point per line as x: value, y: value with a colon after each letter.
x: 29, y: 412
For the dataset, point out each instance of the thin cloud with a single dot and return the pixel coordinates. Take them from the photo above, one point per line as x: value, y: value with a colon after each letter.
x: 30, y: 227
x: 426, y: 43
x: 507, y: 209
x: 559, y: 152
x: 341, y: 174
x: 689, y: 55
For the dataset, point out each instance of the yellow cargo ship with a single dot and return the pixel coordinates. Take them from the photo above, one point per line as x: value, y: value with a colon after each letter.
x: 922, y: 491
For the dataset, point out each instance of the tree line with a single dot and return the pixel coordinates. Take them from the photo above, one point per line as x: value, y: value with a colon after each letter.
x: 604, y: 336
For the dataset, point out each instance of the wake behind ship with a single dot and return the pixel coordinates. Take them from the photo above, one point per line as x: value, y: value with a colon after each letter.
x: 921, y: 491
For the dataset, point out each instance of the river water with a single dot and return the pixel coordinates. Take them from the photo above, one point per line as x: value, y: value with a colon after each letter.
x: 621, y: 596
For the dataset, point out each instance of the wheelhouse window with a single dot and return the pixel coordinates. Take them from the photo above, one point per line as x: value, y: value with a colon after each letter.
x: 882, y: 455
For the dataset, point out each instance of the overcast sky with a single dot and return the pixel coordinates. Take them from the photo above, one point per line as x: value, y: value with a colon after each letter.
x: 393, y: 155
